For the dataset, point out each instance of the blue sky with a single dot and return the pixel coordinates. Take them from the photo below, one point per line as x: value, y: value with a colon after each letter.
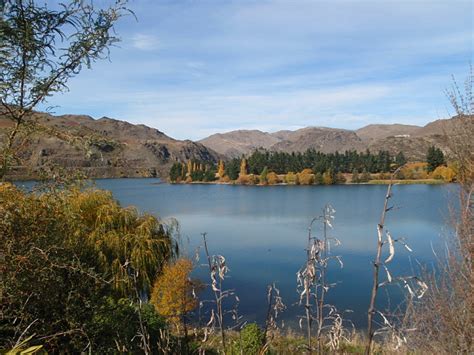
x: 193, y: 68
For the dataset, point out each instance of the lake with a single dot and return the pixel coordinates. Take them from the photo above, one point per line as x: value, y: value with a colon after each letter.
x: 262, y: 232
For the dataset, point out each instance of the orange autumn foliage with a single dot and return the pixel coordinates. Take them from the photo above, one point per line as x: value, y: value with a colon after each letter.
x: 272, y: 178
x: 306, y: 177
x: 221, y: 169
x: 172, y: 294
x: 443, y: 173
x: 415, y: 170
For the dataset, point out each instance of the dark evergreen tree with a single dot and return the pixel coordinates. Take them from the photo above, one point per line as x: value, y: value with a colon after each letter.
x: 434, y: 158
x: 210, y: 174
x: 176, y: 172
x: 233, y: 168
x: 400, y: 159
x: 256, y: 162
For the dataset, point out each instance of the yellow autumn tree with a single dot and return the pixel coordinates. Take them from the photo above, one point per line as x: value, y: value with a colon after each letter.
x: 443, y: 173
x: 306, y: 177
x: 244, y: 178
x: 189, y: 167
x: 221, y: 169
x: 272, y: 178
x: 328, y: 178
x: 172, y: 294
x: 415, y: 170
x: 291, y: 178
x: 243, y: 167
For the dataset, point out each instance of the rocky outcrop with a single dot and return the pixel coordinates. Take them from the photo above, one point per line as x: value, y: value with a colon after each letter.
x: 103, y: 148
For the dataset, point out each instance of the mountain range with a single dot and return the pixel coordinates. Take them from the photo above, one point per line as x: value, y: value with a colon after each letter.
x: 412, y: 140
x: 108, y: 147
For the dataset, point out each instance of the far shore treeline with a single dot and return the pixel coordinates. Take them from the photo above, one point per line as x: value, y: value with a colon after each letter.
x: 264, y: 167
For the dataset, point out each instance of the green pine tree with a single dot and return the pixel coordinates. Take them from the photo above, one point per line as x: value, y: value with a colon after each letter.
x: 434, y: 158
x: 400, y: 159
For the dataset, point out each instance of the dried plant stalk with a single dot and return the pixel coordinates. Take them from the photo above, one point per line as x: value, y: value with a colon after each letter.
x: 312, y: 280
x: 275, y: 307
x: 213, y: 270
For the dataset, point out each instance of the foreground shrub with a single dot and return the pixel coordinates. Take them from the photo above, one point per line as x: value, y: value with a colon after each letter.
x: 250, y: 342
x: 115, y: 323
x: 69, y: 254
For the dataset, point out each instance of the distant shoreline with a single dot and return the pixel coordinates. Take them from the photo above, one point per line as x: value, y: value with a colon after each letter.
x: 371, y: 182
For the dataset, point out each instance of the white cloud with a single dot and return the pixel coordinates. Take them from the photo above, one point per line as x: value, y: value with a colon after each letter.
x: 145, y: 42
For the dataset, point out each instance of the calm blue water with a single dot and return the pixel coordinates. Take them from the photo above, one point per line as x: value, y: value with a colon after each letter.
x: 262, y: 233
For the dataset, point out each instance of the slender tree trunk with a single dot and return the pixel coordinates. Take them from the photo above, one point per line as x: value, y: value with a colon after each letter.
x: 7, y: 149
x: 375, y: 286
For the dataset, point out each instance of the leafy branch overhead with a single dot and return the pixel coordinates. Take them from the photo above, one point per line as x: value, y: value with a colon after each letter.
x: 43, y: 46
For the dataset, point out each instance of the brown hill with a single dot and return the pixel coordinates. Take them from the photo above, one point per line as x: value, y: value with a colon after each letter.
x: 439, y: 133
x: 102, y: 148
x: 444, y: 127
x: 375, y: 132
x: 413, y: 141
x: 326, y: 140
x: 235, y: 143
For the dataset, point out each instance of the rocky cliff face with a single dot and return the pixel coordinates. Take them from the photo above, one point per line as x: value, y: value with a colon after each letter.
x: 100, y: 148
